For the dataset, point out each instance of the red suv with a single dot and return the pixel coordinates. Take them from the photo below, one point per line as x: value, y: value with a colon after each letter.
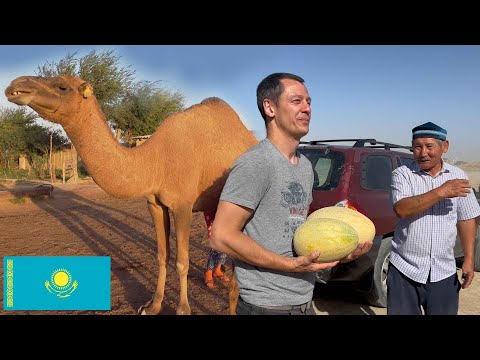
x: 359, y: 176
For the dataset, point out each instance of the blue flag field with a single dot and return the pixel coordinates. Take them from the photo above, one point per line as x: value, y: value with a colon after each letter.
x: 56, y: 283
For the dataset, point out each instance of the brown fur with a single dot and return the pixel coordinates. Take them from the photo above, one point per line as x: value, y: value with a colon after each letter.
x: 182, y: 166
x: 233, y: 294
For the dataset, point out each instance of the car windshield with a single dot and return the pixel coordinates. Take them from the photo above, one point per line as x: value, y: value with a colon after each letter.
x: 327, y: 167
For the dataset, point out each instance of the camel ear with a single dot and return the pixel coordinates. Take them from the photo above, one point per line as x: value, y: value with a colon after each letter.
x: 86, y: 90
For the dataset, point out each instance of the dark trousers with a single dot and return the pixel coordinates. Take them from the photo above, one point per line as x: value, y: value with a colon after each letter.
x: 244, y: 308
x: 408, y: 297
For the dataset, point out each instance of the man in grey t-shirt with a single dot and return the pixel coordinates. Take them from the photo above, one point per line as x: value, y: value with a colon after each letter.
x: 266, y: 197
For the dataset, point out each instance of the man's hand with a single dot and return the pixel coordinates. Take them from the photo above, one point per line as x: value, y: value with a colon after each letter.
x: 307, y: 264
x: 467, y: 275
x: 359, y: 251
x: 455, y: 188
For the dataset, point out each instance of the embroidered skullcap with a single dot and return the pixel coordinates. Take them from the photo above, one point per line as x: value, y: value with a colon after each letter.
x: 429, y: 130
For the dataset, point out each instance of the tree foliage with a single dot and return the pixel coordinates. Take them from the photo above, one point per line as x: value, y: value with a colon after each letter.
x: 143, y: 109
x: 65, y: 66
x: 111, y: 82
x: 21, y: 135
x: 132, y: 108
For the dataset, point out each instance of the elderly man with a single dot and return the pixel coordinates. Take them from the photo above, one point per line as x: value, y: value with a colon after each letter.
x: 432, y: 199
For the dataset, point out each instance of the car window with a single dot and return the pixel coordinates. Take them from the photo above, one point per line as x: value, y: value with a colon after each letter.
x: 377, y: 172
x: 327, y: 167
x: 404, y: 160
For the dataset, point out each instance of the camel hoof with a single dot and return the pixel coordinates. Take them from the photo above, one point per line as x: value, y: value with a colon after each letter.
x: 143, y: 311
x: 183, y: 310
x: 147, y: 309
x: 183, y: 313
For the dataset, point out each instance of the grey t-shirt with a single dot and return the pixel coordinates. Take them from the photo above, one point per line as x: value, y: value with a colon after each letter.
x: 280, y: 193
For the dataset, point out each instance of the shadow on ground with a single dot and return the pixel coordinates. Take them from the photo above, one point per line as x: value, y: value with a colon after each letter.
x: 80, y: 223
x: 341, y: 300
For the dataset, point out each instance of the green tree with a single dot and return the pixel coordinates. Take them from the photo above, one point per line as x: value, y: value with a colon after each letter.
x: 111, y: 82
x: 143, y: 109
x: 38, y: 139
x: 12, y: 134
x: 132, y: 108
x: 21, y: 135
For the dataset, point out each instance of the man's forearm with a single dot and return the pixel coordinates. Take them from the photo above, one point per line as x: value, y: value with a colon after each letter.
x: 467, y: 230
x: 417, y: 204
x: 239, y: 246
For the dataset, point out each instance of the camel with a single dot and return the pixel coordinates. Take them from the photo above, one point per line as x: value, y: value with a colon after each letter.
x: 182, y: 167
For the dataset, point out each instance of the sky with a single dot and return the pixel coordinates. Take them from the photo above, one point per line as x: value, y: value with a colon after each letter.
x: 357, y: 91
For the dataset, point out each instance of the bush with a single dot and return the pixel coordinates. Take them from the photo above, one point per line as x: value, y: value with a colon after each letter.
x: 6, y: 173
x: 82, y: 171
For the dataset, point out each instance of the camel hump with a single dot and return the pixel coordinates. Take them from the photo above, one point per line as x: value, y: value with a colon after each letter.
x: 213, y: 100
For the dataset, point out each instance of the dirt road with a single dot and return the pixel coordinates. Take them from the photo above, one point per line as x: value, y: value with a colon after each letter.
x: 83, y: 220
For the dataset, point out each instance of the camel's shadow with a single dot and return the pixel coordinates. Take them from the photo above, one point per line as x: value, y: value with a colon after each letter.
x: 126, y: 234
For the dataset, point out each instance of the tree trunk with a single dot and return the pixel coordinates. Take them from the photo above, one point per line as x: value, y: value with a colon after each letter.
x: 63, y: 167
x: 51, y: 165
x: 75, y: 163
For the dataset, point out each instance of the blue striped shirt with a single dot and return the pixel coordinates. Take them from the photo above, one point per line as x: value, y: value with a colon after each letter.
x: 424, y: 243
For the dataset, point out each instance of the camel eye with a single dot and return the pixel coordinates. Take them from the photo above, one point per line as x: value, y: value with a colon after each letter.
x: 62, y: 86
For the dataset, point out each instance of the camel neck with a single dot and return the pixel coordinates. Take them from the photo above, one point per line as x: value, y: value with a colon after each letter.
x: 120, y: 171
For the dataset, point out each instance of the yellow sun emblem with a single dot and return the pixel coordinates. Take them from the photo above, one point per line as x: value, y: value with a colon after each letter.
x: 61, y: 283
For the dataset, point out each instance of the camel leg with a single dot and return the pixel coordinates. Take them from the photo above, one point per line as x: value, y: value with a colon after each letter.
x: 183, y: 219
x: 233, y: 294
x: 161, y: 220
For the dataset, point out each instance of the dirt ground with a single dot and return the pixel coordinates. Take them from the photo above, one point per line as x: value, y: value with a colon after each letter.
x: 82, y: 219
x: 330, y: 300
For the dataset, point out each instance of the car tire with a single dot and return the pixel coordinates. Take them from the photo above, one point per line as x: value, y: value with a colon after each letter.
x: 378, y: 294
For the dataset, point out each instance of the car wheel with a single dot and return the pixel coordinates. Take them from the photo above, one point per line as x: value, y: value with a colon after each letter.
x: 378, y: 294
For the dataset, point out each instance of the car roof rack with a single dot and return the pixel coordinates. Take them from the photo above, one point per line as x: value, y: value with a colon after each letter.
x: 359, y: 143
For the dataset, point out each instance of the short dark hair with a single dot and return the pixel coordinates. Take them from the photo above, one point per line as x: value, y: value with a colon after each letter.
x: 271, y: 88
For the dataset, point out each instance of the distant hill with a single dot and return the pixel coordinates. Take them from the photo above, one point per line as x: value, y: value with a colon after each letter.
x: 464, y: 165
x: 468, y: 166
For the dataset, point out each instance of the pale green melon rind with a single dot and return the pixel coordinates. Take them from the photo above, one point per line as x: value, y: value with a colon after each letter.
x: 362, y: 224
x: 334, y: 239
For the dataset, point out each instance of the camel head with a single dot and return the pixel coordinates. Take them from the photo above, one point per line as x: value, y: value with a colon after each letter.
x: 54, y: 98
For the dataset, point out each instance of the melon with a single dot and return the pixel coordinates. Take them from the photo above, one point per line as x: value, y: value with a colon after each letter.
x: 334, y: 239
x: 362, y: 224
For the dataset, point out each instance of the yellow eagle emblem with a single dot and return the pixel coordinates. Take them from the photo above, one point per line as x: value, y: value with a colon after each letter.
x: 61, y: 283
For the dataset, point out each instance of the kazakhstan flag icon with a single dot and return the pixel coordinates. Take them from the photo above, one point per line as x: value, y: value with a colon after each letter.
x: 56, y: 283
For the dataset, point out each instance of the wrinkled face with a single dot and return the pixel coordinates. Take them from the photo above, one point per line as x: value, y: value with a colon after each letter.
x: 292, y: 114
x: 428, y: 153
x: 52, y: 98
